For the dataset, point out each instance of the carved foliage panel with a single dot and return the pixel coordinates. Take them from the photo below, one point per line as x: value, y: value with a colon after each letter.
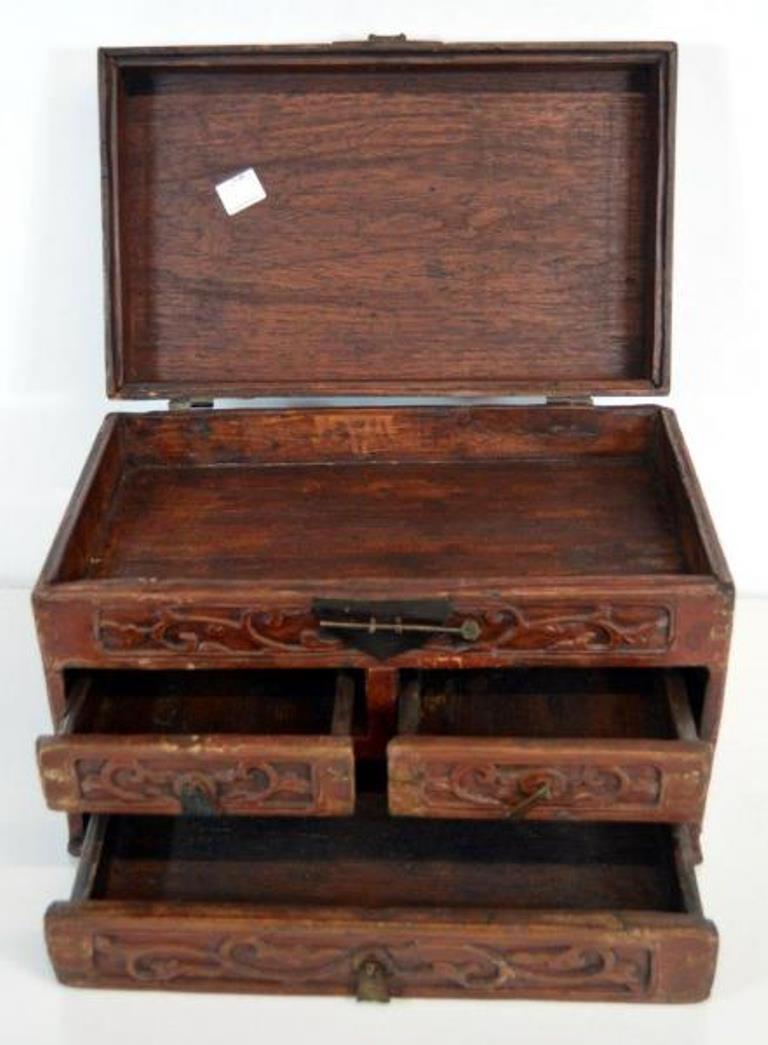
x: 484, y: 788
x: 215, y: 630
x: 288, y: 960
x: 582, y: 628
x: 476, y: 777
x: 196, y: 782
x: 236, y: 631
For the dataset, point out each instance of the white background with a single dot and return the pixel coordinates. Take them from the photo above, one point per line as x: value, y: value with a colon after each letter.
x: 52, y: 366
x: 52, y: 399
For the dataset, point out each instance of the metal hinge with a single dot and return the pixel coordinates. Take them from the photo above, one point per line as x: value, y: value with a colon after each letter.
x: 190, y: 404
x: 395, y: 38
x: 376, y: 40
x: 569, y: 401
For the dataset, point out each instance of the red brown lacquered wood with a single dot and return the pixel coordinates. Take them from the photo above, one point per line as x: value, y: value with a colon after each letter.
x: 108, y: 935
x: 277, y: 776
x: 203, y: 774
x: 499, y: 776
x: 587, y: 780
x: 578, y: 957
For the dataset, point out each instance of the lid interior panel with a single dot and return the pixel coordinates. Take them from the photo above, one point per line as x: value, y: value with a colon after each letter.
x: 446, y: 221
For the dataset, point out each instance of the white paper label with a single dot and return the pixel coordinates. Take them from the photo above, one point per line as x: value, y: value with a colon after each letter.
x: 240, y: 191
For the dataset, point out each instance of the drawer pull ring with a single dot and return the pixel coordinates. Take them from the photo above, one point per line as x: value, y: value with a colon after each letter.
x: 521, y: 808
x: 196, y: 800
x: 372, y: 981
x: 468, y: 630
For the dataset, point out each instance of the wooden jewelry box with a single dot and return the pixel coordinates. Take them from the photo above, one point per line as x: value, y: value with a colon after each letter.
x: 395, y: 699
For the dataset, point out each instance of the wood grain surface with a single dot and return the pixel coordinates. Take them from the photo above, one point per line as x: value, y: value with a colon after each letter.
x: 488, y: 910
x: 503, y: 211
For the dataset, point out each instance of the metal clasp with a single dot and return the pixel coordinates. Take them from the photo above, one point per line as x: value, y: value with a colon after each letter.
x: 469, y: 629
x: 388, y: 627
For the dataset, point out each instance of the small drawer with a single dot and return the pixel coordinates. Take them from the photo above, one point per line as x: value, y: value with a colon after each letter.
x: 384, y: 906
x: 548, y: 744
x: 268, y: 743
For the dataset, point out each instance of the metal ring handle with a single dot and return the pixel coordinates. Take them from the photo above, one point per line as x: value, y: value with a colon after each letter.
x: 541, y: 793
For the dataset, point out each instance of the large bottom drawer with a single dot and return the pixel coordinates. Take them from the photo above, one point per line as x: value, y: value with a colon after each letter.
x: 382, y: 907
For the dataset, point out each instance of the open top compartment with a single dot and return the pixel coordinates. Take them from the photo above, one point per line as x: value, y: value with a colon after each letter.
x: 327, y: 497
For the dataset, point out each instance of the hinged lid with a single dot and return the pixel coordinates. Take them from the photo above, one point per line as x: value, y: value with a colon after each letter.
x: 472, y: 219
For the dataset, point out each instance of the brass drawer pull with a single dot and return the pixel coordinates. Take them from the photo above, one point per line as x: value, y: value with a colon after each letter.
x: 372, y: 981
x: 468, y: 630
x: 541, y: 793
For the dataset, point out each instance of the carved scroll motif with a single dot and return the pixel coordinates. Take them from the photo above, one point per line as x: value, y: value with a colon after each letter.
x: 292, y: 962
x: 485, y: 787
x: 587, y: 629
x: 233, y: 631
x: 216, y: 630
x: 277, y: 787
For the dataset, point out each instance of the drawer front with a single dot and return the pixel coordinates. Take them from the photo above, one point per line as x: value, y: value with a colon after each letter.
x: 662, y: 781
x: 220, y: 633
x: 590, y: 957
x: 245, y: 775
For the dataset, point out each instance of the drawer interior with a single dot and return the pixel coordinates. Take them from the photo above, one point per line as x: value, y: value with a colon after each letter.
x: 274, y: 703
x: 376, y: 861
x: 551, y: 703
